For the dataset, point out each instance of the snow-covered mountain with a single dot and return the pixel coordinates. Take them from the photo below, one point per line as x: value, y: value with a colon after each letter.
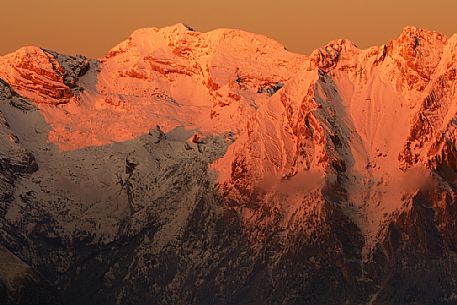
x: 219, y: 168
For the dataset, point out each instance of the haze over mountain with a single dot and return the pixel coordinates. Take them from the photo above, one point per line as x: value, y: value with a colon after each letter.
x: 219, y: 168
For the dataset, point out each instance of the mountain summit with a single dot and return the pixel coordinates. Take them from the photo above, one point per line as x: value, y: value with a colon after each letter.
x: 219, y: 168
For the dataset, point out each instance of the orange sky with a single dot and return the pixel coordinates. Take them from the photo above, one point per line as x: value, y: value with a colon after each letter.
x: 91, y: 27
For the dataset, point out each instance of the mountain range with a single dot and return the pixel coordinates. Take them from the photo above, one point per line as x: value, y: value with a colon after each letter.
x: 219, y: 168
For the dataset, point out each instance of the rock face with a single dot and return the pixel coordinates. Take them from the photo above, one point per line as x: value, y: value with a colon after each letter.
x: 219, y: 168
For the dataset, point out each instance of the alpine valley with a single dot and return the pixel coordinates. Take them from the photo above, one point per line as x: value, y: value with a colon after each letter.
x: 188, y: 168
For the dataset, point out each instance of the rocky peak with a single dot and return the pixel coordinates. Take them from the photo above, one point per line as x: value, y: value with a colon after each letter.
x: 416, y: 37
x: 145, y: 40
x: 43, y: 76
x: 181, y: 27
x: 417, y: 52
x: 328, y: 56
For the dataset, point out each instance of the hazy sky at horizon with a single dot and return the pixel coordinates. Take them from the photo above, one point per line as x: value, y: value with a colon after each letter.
x: 92, y: 27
